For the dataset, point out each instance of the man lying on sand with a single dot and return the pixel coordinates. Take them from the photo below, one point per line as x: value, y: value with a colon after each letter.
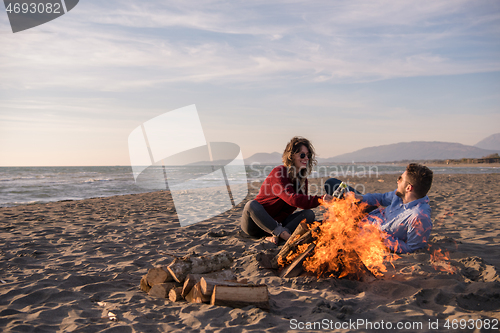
x: 406, y: 217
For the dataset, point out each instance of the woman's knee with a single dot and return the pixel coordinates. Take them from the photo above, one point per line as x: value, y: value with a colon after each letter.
x: 248, y: 224
x: 245, y: 216
x: 250, y: 206
x: 308, y: 215
x: 247, y: 206
x: 253, y: 205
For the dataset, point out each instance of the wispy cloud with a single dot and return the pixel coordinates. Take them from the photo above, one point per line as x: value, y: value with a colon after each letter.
x: 123, y: 45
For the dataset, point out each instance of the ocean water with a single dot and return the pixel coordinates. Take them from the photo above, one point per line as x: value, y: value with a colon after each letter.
x: 26, y: 185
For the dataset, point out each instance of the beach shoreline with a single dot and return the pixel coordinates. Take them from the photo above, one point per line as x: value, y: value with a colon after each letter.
x: 26, y: 185
x: 65, y: 265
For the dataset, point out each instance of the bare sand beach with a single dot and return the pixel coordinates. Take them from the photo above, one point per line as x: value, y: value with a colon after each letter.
x: 64, y: 266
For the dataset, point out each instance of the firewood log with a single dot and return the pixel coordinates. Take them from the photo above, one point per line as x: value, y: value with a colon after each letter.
x: 144, y: 284
x: 189, y: 283
x: 241, y: 296
x: 181, y: 267
x: 193, y: 279
x: 161, y: 290
x: 290, y: 245
x: 157, y: 275
x: 196, y: 296
x: 361, y: 273
x: 175, y: 294
x: 207, y: 285
x: 295, y: 268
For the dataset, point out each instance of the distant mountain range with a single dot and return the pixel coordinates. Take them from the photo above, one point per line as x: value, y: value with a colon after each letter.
x: 416, y: 150
x: 491, y: 143
x: 264, y: 158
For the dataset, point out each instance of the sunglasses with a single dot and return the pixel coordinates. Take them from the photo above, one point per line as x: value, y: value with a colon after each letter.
x: 401, y: 177
x: 302, y: 155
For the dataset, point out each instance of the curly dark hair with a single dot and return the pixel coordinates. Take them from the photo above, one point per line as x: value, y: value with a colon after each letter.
x: 294, y: 147
x: 420, y: 177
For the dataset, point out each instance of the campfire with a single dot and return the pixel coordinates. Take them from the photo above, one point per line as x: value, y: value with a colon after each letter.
x: 342, y: 246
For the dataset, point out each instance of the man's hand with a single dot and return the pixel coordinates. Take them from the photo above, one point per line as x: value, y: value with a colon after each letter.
x: 358, y: 197
x: 327, y: 198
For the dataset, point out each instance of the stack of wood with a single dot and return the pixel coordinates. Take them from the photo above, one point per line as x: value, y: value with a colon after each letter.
x: 303, y: 235
x: 203, y: 280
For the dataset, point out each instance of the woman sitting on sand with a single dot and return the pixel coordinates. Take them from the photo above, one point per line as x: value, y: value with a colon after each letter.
x: 283, y: 191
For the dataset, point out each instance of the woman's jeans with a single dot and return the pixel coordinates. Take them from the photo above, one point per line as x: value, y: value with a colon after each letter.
x: 256, y: 222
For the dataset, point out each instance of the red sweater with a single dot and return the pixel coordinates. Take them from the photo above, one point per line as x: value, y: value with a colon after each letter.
x: 279, y: 198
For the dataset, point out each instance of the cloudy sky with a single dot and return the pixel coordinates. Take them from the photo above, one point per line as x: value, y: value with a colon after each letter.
x: 345, y: 74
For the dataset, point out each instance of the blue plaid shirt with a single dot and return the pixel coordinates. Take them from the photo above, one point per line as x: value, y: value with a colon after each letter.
x: 408, y: 225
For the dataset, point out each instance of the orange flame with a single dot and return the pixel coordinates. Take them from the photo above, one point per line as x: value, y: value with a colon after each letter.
x: 300, y: 249
x: 439, y: 262
x: 345, y: 243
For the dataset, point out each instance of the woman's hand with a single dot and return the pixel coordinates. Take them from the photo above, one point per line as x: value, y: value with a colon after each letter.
x: 327, y: 198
